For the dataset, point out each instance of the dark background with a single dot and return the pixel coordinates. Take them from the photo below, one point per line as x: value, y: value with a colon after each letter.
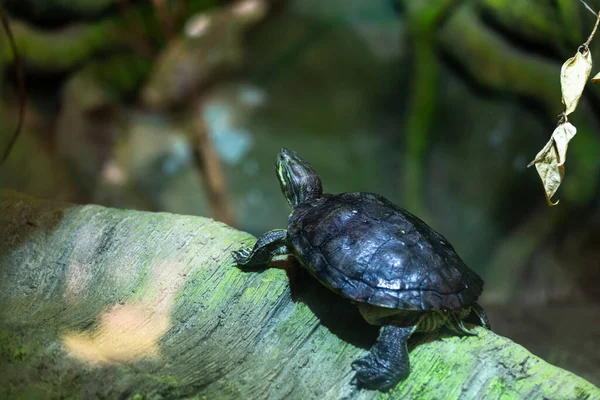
x: 439, y: 105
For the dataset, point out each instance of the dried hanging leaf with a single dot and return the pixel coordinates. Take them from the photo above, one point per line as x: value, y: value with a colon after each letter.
x: 549, y: 171
x: 573, y: 77
x: 542, y: 153
x: 562, y: 135
x: 549, y: 162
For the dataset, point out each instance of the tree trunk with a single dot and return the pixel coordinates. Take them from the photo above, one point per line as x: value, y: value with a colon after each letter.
x: 98, y: 302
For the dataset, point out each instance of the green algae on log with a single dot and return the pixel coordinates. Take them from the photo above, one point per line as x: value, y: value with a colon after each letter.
x: 152, y: 303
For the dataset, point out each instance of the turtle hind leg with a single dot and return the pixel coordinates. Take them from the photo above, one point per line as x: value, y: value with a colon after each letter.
x: 388, y: 362
x: 269, y: 245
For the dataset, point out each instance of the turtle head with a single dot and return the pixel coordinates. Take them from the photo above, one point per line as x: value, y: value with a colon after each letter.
x: 299, y: 182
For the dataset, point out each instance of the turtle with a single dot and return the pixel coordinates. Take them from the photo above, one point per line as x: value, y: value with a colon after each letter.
x: 403, y: 275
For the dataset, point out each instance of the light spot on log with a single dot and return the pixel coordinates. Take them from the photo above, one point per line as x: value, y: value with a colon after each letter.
x: 131, y: 331
x: 126, y: 334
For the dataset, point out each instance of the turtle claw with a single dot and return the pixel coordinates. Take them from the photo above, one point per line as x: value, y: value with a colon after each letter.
x: 457, y: 325
x: 481, y: 317
x: 370, y: 374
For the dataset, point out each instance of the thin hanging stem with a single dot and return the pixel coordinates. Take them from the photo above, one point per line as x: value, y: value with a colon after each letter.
x: 586, y: 45
x: 20, y: 83
x: 588, y: 7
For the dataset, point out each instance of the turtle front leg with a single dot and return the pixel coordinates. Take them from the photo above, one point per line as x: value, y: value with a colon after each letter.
x: 269, y: 245
x: 388, y: 362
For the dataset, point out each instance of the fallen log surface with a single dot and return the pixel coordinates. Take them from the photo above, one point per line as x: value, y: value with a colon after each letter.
x: 106, y: 303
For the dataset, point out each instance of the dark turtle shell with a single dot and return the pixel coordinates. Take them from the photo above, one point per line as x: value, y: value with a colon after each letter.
x: 367, y: 249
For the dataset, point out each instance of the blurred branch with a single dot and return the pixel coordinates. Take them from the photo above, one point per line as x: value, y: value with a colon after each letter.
x: 134, y: 36
x: 61, y: 49
x: 64, y: 48
x: 537, y: 20
x: 193, y: 64
x: 212, y: 173
x: 164, y: 16
x: 20, y: 83
x: 421, y: 114
x: 495, y: 63
x: 84, y: 8
x: 423, y: 97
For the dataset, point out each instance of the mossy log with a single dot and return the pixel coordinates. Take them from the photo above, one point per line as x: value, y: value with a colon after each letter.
x: 98, y: 302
